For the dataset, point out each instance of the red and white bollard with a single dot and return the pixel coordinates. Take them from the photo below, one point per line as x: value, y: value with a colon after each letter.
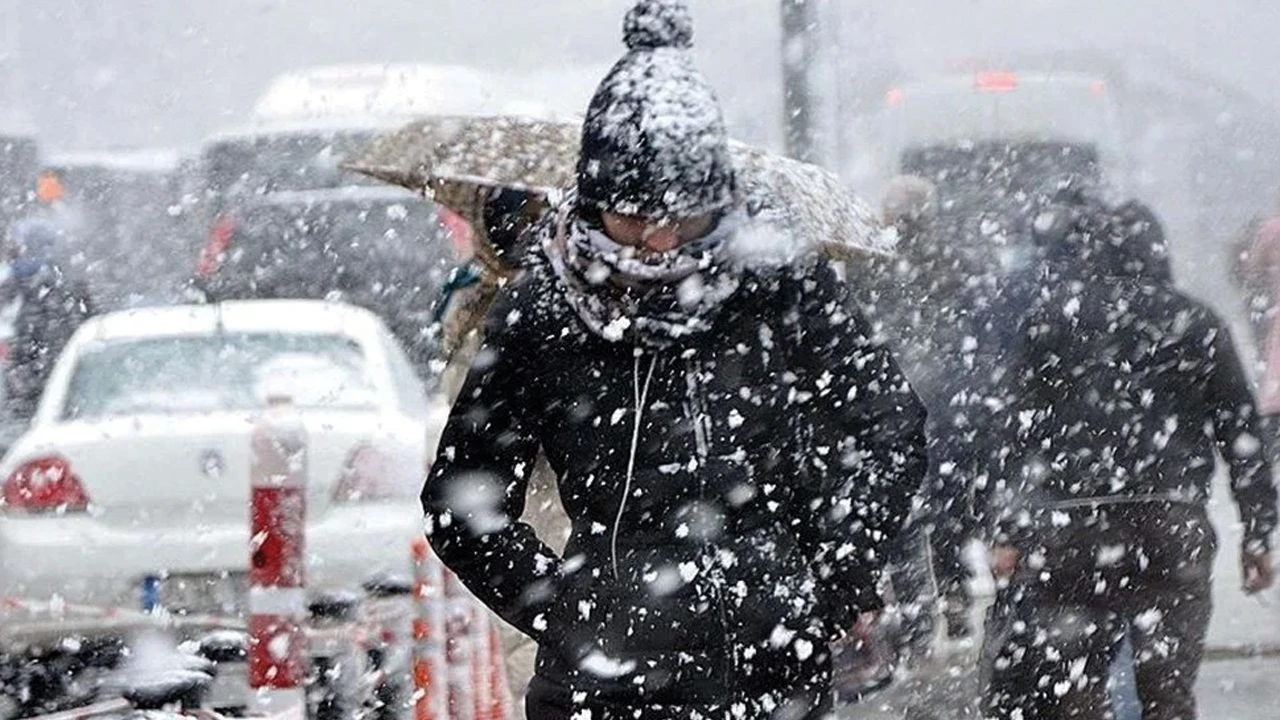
x: 430, y: 675
x: 460, y: 650
x: 277, y: 567
x: 480, y: 660
x: 500, y: 692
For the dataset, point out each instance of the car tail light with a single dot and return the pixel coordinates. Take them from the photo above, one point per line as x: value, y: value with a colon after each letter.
x: 368, y: 475
x: 44, y: 485
x: 219, y: 242
x: 996, y: 82
x: 893, y: 98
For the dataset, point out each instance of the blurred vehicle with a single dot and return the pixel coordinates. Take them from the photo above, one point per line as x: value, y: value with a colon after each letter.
x: 380, y: 248
x: 988, y: 140
x: 285, y: 220
x: 137, y: 461
x: 123, y: 212
x: 269, y: 157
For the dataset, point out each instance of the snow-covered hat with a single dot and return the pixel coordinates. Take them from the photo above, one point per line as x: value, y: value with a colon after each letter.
x: 654, y: 142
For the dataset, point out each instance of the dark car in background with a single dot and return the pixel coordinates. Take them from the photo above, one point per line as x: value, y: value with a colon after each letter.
x: 989, y: 140
x: 273, y: 157
x: 125, y: 214
x: 985, y: 190
x: 285, y: 221
x: 380, y: 248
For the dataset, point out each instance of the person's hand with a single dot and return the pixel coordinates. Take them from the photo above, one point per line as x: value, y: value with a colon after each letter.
x: 1259, y: 572
x: 1004, y: 561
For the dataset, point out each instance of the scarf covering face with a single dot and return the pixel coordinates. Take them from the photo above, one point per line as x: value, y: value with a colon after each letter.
x: 654, y: 300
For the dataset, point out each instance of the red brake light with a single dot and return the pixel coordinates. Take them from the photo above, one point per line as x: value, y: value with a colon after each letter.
x: 219, y: 242
x: 997, y: 82
x: 45, y: 485
x: 368, y: 475
x: 893, y: 98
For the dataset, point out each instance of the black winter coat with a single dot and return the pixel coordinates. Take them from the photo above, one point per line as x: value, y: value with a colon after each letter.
x: 730, y: 498
x: 1122, y: 390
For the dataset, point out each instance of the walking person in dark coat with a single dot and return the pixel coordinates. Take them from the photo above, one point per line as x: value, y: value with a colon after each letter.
x: 53, y: 305
x: 1123, y: 392
x: 919, y: 300
x: 732, y: 450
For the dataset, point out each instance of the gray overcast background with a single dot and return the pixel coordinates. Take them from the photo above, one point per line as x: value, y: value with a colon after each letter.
x: 96, y: 73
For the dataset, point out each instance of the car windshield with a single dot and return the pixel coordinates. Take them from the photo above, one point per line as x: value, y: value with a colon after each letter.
x: 234, y: 371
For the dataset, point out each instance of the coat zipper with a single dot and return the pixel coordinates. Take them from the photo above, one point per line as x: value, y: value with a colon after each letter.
x: 702, y: 435
x: 697, y: 412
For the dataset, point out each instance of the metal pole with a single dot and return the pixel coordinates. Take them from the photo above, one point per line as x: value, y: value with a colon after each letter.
x: 799, y: 51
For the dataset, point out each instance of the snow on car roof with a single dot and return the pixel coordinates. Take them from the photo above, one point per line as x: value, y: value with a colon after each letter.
x: 282, y: 316
x: 357, y: 193
x: 158, y: 160
x: 330, y: 124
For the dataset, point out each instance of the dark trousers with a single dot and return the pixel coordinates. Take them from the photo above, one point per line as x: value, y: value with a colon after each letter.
x: 913, y: 591
x: 1139, y: 570
x: 948, y: 514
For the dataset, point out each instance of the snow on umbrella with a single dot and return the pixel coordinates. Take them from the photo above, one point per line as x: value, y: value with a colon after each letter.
x: 459, y: 161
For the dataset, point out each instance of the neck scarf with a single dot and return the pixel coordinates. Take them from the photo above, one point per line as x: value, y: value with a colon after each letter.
x: 624, y: 296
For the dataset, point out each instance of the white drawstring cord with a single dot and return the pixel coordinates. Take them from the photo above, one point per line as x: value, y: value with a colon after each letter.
x: 641, y: 396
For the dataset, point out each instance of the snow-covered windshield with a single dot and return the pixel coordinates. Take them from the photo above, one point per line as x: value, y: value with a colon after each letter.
x: 206, y: 374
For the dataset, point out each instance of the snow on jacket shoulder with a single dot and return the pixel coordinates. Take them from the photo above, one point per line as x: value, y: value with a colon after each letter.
x: 724, y: 494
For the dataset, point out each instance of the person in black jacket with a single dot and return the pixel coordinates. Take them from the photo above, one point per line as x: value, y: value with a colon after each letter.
x: 732, y: 449
x: 53, y: 305
x: 1122, y: 391
x: 920, y: 299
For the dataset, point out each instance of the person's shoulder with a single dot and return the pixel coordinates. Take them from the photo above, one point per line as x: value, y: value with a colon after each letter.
x: 796, y: 279
x: 531, y: 305
x: 1187, y: 316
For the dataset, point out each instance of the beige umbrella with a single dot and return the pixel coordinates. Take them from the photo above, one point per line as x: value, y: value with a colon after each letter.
x: 458, y: 161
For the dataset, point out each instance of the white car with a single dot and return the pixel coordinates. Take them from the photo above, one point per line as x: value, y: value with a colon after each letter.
x: 136, y: 465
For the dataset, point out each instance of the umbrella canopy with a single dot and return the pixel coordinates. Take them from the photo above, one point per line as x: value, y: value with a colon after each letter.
x: 460, y: 161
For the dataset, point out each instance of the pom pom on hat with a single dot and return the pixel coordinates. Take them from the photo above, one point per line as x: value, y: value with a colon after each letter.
x: 654, y: 24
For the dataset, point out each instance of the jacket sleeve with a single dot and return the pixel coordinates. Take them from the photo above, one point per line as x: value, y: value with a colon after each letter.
x: 475, y: 492
x: 1236, y: 428
x: 862, y: 452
